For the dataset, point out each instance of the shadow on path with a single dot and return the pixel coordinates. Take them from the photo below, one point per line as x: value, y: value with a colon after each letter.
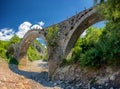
x: 40, y: 77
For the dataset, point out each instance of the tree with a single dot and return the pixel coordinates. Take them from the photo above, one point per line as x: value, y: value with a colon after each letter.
x: 15, y: 39
x: 110, y: 9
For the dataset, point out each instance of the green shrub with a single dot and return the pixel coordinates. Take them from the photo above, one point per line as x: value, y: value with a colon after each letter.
x: 13, y: 61
x: 32, y: 54
x: 91, y: 58
x: 52, y: 35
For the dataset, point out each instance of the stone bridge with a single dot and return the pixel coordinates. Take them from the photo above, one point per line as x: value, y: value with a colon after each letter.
x: 69, y: 31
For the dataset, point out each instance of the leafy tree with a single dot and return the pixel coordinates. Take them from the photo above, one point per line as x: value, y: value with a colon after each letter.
x: 110, y: 9
x: 3, y: 48
x: 14, y: 40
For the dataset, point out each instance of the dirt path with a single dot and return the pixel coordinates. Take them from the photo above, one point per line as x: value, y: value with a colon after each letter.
x: 34, y: 76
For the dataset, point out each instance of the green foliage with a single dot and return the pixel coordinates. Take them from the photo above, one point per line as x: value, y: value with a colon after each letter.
x: 33, y: 54
x: 3, y: 52
x: 90, y: 58
x: 76, y: 53
x: 52, y: 36
x: 14, y: 40
x: 89, y: 55
x: 4, y: 45
x: 110, y: 10
x: 3, y: 49
x: 110, y: 44
x: 13, y: 61
x: 93, y: 35
x: 101, y: 46
x: 68, y: 61
x: 97, y: 47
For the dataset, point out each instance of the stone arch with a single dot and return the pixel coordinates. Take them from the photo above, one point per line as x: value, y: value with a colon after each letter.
x: 22, y: 47
x: 70, y: 30
x: 90, y: 17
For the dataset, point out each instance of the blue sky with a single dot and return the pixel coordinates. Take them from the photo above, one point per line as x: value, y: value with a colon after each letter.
x: 13, y: 13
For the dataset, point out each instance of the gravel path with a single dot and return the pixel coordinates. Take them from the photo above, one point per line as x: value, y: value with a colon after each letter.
x: 38, y: 72
x: 34, y: 76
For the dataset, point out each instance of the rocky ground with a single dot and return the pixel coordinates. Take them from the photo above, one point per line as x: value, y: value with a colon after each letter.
x: 106, y: 77
x: 35, y: 76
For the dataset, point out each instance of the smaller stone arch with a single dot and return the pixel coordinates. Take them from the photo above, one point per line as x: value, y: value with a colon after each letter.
x: 89, y: 17
x: 22, y: 47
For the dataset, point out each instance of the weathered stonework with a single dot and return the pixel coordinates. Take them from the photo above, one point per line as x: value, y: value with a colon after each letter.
x: 69, y: 32
x: 105, y: 76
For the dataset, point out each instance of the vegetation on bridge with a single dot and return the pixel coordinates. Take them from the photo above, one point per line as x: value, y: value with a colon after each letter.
x: 52, y: 36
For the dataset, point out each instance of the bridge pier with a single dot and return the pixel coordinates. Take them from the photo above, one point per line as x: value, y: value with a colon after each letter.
x: 53, y: 65
x: 21, y: 58
x: 55, y: 56
x: 23, y: 61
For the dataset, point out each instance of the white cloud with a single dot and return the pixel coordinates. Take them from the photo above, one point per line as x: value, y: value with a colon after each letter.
x: 1, y: 34
x: 6, y: 31
x: 23, y: 29
x: 41, y: 23
x: 36, y: 26
x: 6, y: 34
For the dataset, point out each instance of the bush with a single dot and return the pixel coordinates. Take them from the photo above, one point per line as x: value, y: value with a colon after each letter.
x: 52, y: 36
x: 33, y: 54
x: 90, y: 58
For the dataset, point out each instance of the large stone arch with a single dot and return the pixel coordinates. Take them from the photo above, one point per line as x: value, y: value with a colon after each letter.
x: 22, y: 47
x: 70, y: 31
x: 90, y: 17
